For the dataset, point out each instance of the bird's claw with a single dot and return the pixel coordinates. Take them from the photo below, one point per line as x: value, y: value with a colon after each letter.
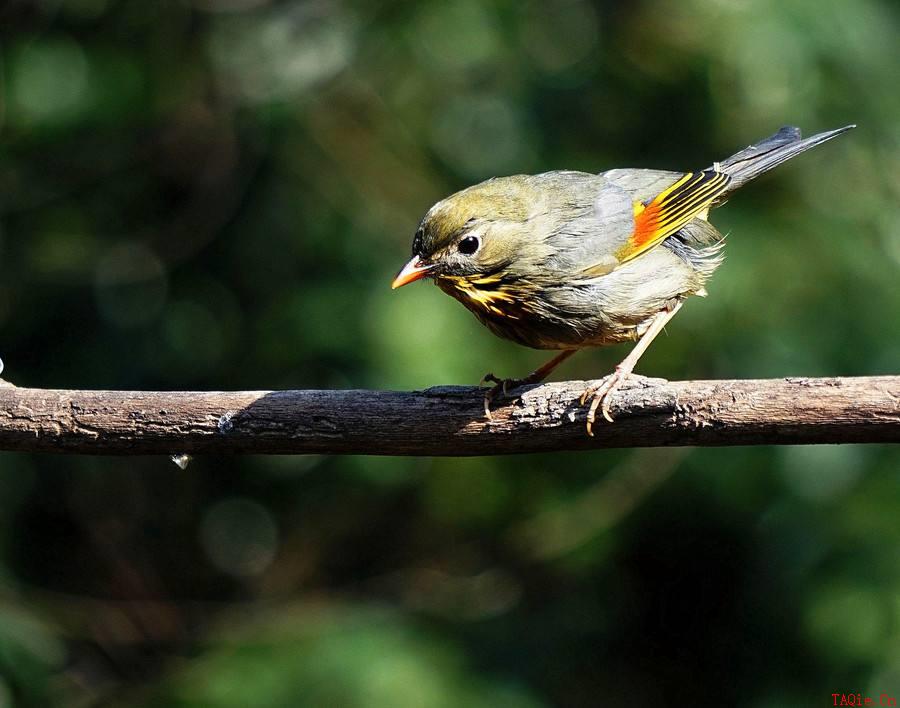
x: 600, y: 394
x: 500, y: 386
x: 488, y: 398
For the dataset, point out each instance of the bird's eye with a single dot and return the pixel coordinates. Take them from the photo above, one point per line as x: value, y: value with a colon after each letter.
x: 469, y: 245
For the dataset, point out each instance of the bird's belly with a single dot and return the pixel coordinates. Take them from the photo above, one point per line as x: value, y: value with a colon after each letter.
x: 532, y: 324
x: 538, y: 333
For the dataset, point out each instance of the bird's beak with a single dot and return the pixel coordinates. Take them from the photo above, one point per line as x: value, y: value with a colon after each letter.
x: 412, y: 271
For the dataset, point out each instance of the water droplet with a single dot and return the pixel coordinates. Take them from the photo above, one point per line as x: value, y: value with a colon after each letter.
x: 182, y: 460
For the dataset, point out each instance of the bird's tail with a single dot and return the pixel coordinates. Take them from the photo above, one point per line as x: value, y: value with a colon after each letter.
x: 761, y: 157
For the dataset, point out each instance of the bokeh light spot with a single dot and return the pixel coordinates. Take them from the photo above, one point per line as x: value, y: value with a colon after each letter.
x: 847, y: 622
x: 820, y: 473
x: 49, y: 82
x: 559, y: 35
x: 283, y: 52
x: 455, y: 35
x: 482, y: 136
x: 239, y: 536
x: 130, y: 285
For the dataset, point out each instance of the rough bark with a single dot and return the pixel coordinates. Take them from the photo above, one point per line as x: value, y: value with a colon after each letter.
x: 449, y: 420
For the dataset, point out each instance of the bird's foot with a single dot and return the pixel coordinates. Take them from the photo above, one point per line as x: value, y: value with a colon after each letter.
x: 505, y: 385
x: 501, y: 386
x: 600, y: 393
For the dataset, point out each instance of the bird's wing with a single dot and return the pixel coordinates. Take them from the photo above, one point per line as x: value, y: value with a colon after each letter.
x: 674, y: 207
x: 636, y: 210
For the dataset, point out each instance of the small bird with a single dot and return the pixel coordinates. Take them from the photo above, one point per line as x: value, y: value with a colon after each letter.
x: 566, y: 260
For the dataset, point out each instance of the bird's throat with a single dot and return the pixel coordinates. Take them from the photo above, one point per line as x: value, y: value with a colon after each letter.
x: 482, y: 294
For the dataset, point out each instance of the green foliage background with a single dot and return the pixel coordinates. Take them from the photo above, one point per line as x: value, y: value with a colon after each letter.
x: 215, y: 194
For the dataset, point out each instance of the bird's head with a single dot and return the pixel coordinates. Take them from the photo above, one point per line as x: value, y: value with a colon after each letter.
x: 476, y: 233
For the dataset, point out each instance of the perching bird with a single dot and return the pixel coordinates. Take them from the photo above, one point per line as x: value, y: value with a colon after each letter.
x: 567, y: 260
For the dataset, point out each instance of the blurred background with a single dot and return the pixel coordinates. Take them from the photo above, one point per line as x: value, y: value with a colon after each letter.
x: 215, y: 194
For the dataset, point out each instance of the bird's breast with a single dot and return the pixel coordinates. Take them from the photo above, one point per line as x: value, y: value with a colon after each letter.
x: 506, y: 311
x: 523, y: 314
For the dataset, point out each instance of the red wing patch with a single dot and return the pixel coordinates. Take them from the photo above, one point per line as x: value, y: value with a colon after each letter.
x: 672, y: 209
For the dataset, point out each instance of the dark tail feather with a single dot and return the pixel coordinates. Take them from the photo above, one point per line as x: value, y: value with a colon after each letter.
x: 761, y: 157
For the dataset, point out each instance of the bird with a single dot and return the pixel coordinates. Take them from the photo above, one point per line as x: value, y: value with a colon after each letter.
x: 568, y: 260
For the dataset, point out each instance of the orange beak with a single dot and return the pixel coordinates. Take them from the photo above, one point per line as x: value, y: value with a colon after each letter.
x: 411, y: 272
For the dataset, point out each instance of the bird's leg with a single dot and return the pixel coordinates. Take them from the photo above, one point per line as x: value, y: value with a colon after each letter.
x: 536, y: 376
x: 611, y: 383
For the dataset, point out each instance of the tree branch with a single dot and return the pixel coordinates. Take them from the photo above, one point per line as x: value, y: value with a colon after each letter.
x: 449, y: 420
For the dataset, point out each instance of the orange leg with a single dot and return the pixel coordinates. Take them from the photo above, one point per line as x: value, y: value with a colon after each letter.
x: 611, y: 383
x: 536, y: 376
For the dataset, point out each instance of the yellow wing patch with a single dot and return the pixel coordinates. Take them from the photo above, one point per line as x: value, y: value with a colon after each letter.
x: 689, y: 198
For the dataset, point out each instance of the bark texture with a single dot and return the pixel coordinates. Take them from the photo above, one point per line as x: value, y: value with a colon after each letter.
x: 449, y: 420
